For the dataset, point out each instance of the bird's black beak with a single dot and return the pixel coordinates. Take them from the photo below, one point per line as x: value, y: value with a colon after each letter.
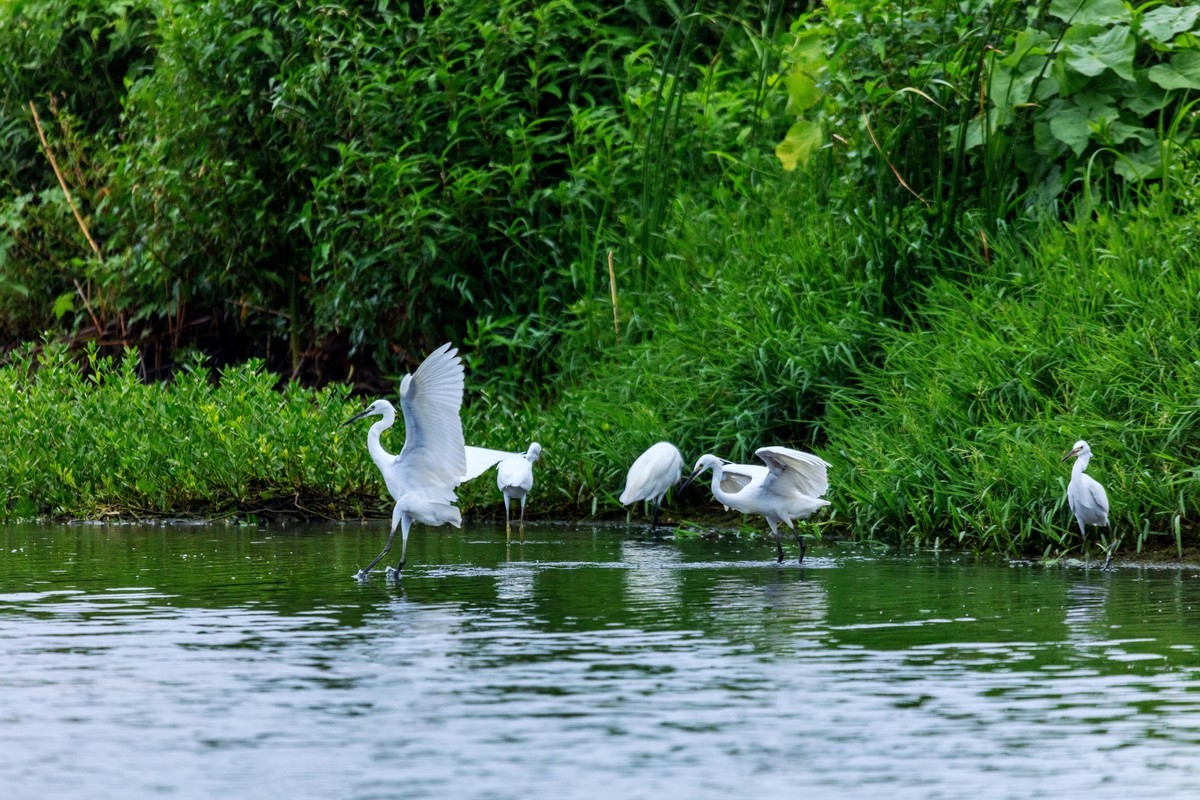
x: 1070, y: 453
x: 691, y: 478
x: 356, y: 417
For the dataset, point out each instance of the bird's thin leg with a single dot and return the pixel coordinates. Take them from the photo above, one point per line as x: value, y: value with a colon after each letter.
x: 1083, y: 533
x: 778, y: 540
x: 800, y: 541
x: 522, y: 513
x: 507, y: 519
x: 362, y: 573
x: 405, y: 524
x: 1113, y: 544
x: 654, y: 518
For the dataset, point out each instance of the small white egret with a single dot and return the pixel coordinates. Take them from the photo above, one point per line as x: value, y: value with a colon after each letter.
x: 433, y: 460
x: 1086, y: 497
x: 514, y: 479
x: 790, y: 487
x: 652, y: 474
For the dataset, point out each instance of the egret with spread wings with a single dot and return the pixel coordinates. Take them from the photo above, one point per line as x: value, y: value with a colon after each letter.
x: 788, y: 488
x: 433, y: 460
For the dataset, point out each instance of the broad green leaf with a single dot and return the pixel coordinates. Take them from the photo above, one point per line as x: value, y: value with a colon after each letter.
x: 1144, y: 96
x: 802, y: 140
x: 1113, y: 50
x: 1008, y: 88
x: 1162, y: 24
x: 63, y: 304
x: 1070, y: 126
x: 809, y: 49
x: 803, y: 93
x: 1097, y: 12
x: 1029, y: 43
x: 1183, y: 72
x: 1120, y: 132
x: 1140, y: 164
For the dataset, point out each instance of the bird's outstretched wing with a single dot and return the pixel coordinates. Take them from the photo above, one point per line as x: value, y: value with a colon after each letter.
x: 431, y: 399
x: 735, y: 477
x: 793, y: 471
x: 481, y: 459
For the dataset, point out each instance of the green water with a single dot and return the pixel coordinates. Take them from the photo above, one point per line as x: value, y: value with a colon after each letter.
x: 209, y: 661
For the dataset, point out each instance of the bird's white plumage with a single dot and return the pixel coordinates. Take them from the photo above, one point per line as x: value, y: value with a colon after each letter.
x: 788, y: 488
x: 434, y: 452
x: 422, y: 478
x: 514, y: 477
x: 793, y: 472
x: 1085, y: 495
x: 653, y: 473
x: 481, y: 459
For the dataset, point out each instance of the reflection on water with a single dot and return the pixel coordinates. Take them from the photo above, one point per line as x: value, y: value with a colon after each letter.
x: 195, y: 661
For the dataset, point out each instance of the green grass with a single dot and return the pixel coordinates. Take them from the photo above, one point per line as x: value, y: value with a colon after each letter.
x: 1079, y: 331
x: 97, y: 441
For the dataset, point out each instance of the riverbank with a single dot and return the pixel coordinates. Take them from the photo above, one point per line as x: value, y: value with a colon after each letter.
x: 744, y: 236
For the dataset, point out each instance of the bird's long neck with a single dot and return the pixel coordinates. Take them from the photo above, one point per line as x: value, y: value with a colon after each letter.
x: 374, y: 446
x: 1081, y: 463
x: 718, y: 474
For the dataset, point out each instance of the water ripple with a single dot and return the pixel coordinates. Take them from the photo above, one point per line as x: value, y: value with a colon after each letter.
x: 591, y: 666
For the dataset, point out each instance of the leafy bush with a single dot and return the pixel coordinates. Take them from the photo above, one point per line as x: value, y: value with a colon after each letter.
x: 1092, y: 88
x: 90, y: 442
x: 355, y: 184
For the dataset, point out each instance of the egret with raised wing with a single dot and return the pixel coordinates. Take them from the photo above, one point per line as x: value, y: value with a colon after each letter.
x: 788, y: 488
x: 422, y: 478
x: 1086, y: 497
x: 514, y: 479
x: 652, y: 474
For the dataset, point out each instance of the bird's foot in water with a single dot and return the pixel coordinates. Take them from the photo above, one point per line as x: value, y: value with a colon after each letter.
x: 361, y: 575
x: 393, y: 573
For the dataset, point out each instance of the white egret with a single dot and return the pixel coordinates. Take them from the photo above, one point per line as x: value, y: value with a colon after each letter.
x: 652, y: 474
x: 433, y: 460
x: 514, y: 479
x: 1086, y: 497
x: 790, y: 487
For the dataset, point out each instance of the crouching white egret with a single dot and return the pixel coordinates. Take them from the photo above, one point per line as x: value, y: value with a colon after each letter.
x: 1086, y: 497
x: 789, y: 488
x: 514, y: 479
x: 433, y: 460
x: 652, y: 474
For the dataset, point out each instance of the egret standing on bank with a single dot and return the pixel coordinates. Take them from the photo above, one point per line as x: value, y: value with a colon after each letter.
x: 652, y: 474
x: 1086, y: 497
x: 433, y: 461
x: 790, y: 487
x: 514, y: 479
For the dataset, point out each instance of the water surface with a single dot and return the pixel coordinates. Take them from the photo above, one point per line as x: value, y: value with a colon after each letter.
x: 204, y: 661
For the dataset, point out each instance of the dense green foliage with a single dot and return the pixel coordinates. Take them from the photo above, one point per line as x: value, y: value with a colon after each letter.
x: 936, y: 243
x: 95, y: 441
